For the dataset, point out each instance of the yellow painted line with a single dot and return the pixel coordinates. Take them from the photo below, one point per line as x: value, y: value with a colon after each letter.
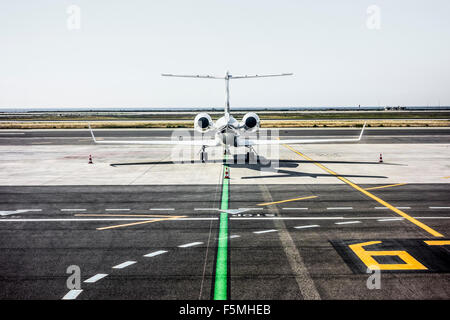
x: 162, y: 218
x: 370, y: 195
x: 438, y: 242
x: 388, y: 186
x: 447, y: 177
x: 132, y: 224
x: 288, y: 200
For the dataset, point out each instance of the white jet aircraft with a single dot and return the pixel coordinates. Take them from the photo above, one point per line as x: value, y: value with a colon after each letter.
x: 227, y: 129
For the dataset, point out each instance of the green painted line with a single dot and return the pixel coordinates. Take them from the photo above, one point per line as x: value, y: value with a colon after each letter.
x: 220, y: 283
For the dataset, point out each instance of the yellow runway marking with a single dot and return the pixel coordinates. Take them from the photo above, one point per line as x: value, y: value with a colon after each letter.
x: 288, y: 200
x: 370, y: 195
x: 162, y: 218
x: 438, y: 242
x: 388, y: 186
x: 366, y: 257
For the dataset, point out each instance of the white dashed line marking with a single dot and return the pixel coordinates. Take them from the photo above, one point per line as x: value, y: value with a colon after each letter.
x: 12, y: 133
x: 72, y: 294
x: 124, y: 264
x: 156, y: 253
x: 125, y: 209
x: 9, y: 213
x: 309, y: 226
x: 162, y: 209
x: 187, y: 245
x: 73, y: 209
x: 265, y: 231
x: 95, y: 278
x: 390, y: 219
x: 340, y: 208
x: 235, y: 236
x: 439, y: 207
x: 295, y: 208
x: 348, y: 222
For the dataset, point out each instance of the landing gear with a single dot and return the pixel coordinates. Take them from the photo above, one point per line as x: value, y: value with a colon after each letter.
x: 251, y: 156
x: 203, y: 154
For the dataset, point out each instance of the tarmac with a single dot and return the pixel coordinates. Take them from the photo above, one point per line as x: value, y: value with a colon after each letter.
x: 306, y: 222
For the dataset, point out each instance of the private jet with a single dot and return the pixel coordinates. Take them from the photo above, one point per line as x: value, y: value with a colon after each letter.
x: 228, y: 132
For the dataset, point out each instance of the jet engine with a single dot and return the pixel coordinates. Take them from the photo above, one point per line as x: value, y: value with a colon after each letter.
x: 203, y: 122
x: 250, y: 122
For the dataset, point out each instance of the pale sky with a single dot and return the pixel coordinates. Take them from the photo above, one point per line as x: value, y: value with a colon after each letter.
x: 116, y: 57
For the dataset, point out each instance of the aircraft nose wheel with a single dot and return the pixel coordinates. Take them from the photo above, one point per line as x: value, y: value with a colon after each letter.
x: 250, y: 157
x: 203, y: 154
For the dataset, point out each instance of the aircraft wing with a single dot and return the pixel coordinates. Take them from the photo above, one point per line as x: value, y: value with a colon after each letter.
x: 261, y: 76
x: 250, y: 142
x: 208, y: 143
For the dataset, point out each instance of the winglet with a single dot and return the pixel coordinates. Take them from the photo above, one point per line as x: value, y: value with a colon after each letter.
x: 92, y: 133
x: 362, y: 131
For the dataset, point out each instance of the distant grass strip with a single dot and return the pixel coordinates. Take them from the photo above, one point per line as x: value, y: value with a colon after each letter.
x: 190, y: 124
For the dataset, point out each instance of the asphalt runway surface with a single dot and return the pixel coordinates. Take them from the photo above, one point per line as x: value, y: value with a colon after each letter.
x: 83, y: 137
x: 312, y: 239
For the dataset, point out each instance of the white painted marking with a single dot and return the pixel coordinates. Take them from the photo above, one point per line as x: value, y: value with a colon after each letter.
x: 348, y: 222
x: 95, y: 278
x: 187, y: 245
x: 439, y: 207
x: 230, y: 211
x: 156, y: 253
x: 162, y: 209
x: 390, y: 219
x: 235, y: 236
x: 286, y: 218
x: 12, y: 133
x: 201, y: 219
x: 72, y: 294
x: 310, y: 226
x: 234, y: 211
x: 340, y: 208
x: 265, y: 231
x: 124, y: 264
x: 94, y: 219
x: 295, y: 208
x: 73, y: 209
x: 113, y: 209
x: 12, y: 212
x: 403, y: 207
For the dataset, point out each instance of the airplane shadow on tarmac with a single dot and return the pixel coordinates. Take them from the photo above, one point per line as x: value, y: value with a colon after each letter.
x: 269, y: 166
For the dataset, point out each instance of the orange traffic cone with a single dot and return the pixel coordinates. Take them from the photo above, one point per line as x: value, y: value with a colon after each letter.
x: 381, y: 158
x: 90, y: 159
